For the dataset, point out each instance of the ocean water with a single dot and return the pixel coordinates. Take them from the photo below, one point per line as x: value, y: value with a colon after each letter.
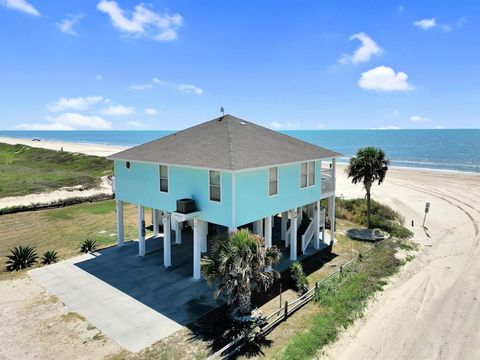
x: 445, y: 149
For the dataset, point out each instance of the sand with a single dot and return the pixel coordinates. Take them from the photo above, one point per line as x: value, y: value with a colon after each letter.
x: 431, y: 309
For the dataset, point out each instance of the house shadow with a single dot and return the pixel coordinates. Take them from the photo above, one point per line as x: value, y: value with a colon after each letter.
x: 175, y: 294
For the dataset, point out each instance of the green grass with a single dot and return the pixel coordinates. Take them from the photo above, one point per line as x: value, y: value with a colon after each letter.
x: 342, y: 299
x: 25, y: 170
x: 383, y: 217
x: 64, y: 229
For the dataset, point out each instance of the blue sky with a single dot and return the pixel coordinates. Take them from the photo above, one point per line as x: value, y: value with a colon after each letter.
x: 106, y: 64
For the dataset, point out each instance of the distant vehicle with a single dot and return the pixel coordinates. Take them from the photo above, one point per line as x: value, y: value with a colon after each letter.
x: 36, y: 139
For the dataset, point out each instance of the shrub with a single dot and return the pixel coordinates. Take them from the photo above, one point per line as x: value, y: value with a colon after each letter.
x: 88, y: 246
x: 299, y: 279
x: 49, y: 257
x: 21, y: 257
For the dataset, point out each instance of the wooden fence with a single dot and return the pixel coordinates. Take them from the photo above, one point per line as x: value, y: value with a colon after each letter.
x: 272, y: 320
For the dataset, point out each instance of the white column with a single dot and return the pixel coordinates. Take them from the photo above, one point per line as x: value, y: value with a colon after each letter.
x: 203, y: 236
x: 141, y: 231
x: 258, y: 227
x: 293, y: 235
x: 155, y: 222
x: 196, y: 249
x: 283, y: 233
x: 178, y: 232
x: 331, y: 215
x: 120, y: 236
x: 232, y: 229
x: 268, y: 231
x: 316, y: 219
x: 167, y: 244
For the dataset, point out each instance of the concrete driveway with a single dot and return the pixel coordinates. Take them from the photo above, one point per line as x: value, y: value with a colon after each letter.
x: 133, y: 300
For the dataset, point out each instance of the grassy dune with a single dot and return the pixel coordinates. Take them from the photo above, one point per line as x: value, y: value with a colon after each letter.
x: 26, y: 170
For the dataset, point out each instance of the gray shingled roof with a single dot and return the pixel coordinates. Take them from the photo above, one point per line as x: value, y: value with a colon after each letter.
x: 226, y: 143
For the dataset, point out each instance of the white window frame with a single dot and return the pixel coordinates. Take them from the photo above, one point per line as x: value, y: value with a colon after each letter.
x: 210, y: 187
x: 160, y: 178
x: 269, y: 181
x: 310, y: 164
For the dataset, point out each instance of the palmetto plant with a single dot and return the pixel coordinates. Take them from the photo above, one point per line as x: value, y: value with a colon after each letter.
x: 237, y: 266
x: 368, y: 166
x: 49, y: 257
x: 298, y: 277
x: 21, y: 257
x: 88, y: 246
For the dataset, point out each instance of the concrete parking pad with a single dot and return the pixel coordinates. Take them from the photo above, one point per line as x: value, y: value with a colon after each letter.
x: 133, y: 300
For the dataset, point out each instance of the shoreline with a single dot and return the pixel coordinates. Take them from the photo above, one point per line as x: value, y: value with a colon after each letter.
x: 105, y: 150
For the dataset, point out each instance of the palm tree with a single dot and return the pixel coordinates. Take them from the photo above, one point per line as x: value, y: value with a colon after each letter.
x: 368, y: 166
x: 238, y: 265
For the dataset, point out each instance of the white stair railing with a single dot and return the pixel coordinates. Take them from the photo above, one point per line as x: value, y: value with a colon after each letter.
x: 308, y: 236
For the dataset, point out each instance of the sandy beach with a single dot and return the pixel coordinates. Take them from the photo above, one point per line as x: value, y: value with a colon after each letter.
x: 431, y: 309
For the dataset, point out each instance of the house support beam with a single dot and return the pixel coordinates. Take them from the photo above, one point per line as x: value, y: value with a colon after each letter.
x: 141, y: 231
x: 316, y: 219
x: 196, y: 248
x: 155, y: 222
x: 258, y: 227
x: 167, y: 243
x: 283, y: 233
x: 203, y: 236
x: 120, y: 234
x: 331, y: 216
x: 178, y: 232
x: 293, y: 235
x: 268, y: 236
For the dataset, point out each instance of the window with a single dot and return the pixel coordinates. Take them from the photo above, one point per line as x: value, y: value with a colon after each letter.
x: 311, y: 173
x: 215, y: 185
x: 163, y: 178
x: 273, y: 181
x: 307, y: 174
x: 303, y: 174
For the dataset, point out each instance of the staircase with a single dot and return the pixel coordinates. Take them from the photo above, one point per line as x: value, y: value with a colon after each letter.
x: 301, y: 230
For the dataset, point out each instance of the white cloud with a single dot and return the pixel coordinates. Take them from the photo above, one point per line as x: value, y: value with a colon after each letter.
x: 21, y: 5
x: 190, y: 89
x: 69, y: 121
x: 76, y: 120
x: 77, y: 103
x: 418, y: 118
x: 368, y: 48
x: 99, y: 77
x: 388, y: 127
x: 426, y: 23
x: 136, y: 124
x: 119, y: 110
x: 151, y: 111
x: 285, y: 125
x: 439, y: 127
x: 142, y: 21
x: 383, y: 78
x: 52, y: 126
x: 141, y: 86
x: 67, y: 25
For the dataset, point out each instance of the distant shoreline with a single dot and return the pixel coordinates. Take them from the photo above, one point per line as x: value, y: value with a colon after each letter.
x: 104, y: 149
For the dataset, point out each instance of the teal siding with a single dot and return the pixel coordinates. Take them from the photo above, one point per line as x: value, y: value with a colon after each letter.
x: 252, y: 199
x: 141, y: 185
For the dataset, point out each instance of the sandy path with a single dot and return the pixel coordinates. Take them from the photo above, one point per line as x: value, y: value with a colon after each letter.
x: 431, y: 310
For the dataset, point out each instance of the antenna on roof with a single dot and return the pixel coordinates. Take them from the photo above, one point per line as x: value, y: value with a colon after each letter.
x: 222, y: 110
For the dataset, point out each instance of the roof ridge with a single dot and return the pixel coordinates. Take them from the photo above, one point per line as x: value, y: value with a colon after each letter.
x: 230, y: 140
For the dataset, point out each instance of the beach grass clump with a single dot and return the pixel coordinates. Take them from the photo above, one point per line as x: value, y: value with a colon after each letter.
x: 21, y: 257
x: 49, y: 257
x: 343, y: 298
x: 383, y: 217
x: 27, y: 170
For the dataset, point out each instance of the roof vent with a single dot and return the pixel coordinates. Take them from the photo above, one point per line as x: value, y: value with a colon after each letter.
x: 242, y: 123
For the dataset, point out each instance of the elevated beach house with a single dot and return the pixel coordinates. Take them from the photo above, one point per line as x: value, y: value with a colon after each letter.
x: 224, y: 174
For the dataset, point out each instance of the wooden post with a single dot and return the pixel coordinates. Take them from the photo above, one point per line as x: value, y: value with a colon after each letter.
x: 286, y: 310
